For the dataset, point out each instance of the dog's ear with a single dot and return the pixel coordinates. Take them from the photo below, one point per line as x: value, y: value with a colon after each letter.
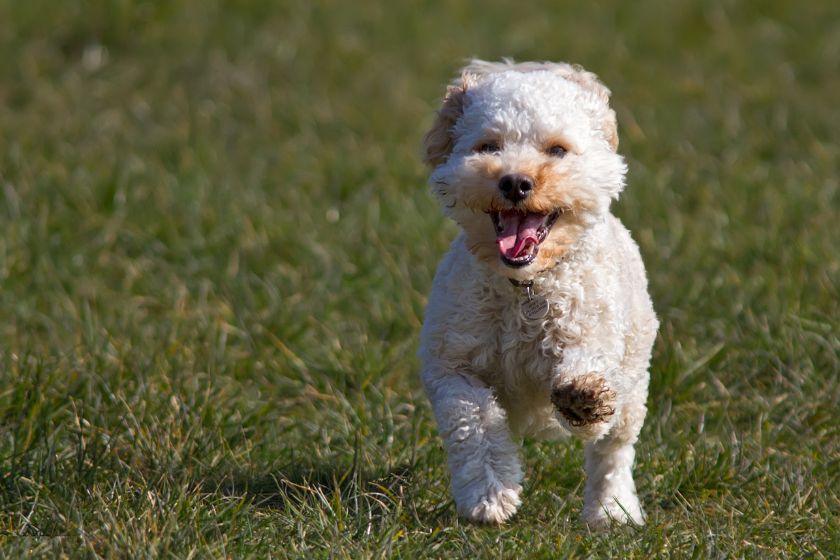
x: 591, y: 83
x: 439, y: 140
x: 610, y: 129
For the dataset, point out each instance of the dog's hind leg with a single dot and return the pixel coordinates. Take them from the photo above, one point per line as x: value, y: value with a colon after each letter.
x: 483, y: 459
x: 610, y: 493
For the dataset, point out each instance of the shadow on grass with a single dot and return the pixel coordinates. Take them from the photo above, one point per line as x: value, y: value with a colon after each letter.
x: 338, y: 491
x: 300, y: 484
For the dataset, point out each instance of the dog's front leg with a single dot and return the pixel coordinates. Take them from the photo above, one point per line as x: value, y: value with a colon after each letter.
x: 483, y: 459
x: 596, y: 400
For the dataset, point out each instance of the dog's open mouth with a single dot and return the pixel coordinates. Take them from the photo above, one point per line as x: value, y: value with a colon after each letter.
x: 519, y: 234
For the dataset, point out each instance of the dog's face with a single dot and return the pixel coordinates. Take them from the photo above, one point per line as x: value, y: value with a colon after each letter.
x: 524, y: 160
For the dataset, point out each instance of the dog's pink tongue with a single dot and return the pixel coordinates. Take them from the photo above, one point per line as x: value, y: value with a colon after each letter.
x: 519, y: 233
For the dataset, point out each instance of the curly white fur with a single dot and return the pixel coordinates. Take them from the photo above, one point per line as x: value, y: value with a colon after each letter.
x: 489, y: 370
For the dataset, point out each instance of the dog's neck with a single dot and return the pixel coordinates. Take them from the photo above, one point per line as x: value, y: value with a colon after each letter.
x: 526, y: 286
x: 528, y: 289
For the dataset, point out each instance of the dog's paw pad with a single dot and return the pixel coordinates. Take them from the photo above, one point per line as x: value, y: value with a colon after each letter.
x: 584, y: 400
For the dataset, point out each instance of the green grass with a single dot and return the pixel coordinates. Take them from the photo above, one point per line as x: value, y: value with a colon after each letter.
x: 216, y: 244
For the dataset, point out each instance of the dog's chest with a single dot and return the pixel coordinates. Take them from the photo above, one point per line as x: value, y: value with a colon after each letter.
x: 519, y: 348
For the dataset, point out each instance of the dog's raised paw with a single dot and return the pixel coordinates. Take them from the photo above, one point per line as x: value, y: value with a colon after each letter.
x: 583, y: 400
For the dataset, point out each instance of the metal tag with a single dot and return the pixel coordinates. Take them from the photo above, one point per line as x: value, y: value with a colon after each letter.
x: 534, y: 308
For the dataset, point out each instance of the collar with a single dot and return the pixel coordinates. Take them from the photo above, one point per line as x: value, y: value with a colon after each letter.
x: 521, y: 283
x: 526, y: 286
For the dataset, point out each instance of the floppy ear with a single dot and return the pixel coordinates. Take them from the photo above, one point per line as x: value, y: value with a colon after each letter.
x: 439, y: 140
x: 590, y: 82
x: 610, y: 129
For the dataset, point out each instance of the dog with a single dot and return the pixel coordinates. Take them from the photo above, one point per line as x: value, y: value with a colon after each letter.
x: 539, y: 323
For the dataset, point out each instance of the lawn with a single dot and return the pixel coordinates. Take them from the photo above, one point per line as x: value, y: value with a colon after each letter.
x: 216, y: 244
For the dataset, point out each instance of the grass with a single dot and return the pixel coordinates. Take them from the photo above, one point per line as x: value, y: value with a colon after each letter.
x: 216, y: 245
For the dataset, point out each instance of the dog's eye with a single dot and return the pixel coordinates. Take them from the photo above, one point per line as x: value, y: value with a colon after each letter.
x: 488, y: 148
x: 557, y: 151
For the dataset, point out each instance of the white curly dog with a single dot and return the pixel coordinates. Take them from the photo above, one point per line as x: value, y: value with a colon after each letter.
x: 539, y: 322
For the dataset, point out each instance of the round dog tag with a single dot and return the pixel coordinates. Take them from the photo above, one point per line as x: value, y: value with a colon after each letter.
x: 535, y: 308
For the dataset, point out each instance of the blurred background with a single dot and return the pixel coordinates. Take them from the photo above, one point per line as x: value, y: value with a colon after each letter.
x: 216, y: 243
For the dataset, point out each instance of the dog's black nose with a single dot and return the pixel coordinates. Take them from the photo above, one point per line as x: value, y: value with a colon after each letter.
x: 516, y: 186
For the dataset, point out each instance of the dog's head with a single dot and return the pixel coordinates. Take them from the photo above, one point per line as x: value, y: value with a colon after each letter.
x: 524, y: 159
